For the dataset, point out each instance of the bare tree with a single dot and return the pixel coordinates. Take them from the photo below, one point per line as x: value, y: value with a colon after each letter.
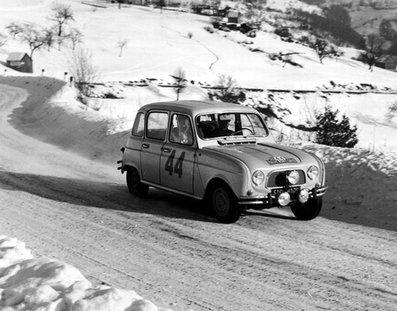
x: 180, y: 81
x: 227, y: 84
x: 255, y: 13
x: 161, y: 4
x: 374, y: 49
x: 36, y: 37
x: 61, y: 14
x: 392, y: 113
x: 14, y: 29
x: 375, y: 43
x: 49, y: 35
x: 121, y: 44
x: 82, y: 71
x: 75, y: 37
x: 322, y: 49
x: 3, y: 40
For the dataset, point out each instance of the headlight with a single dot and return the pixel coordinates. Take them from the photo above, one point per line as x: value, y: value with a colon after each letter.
x: 258, y: 177
x: 293, y: 177
x: 312, y: 172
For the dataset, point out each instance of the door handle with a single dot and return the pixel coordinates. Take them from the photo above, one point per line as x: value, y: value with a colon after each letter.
x: 145, y: 146
x: 166, y: 150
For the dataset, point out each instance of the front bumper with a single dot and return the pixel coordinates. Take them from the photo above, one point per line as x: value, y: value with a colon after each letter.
x: 271, y: 200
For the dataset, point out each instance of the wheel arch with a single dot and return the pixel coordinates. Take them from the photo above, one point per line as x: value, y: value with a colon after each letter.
x: 217, y: 181
x: 130, y: 166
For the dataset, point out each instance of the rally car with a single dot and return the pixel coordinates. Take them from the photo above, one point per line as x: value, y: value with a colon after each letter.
x: 223, y: 154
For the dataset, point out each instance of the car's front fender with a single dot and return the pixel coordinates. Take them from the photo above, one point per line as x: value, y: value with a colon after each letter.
x: 212, y: 165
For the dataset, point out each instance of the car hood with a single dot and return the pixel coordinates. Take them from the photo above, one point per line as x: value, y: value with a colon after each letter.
x: 264, y: 154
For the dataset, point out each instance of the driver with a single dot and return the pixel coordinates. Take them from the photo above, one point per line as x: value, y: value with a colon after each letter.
x: 223, y: 129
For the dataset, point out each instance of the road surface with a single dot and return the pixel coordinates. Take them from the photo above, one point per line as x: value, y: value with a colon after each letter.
x: 64, y: 204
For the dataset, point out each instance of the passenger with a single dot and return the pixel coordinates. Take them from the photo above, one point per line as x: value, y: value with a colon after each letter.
x: 181, y: 132
x: 185, y: 131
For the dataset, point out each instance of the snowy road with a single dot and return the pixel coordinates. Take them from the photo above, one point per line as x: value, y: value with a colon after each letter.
x: 78, y: 210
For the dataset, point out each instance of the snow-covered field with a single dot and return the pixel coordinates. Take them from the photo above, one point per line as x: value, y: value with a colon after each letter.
x: 157, y: 45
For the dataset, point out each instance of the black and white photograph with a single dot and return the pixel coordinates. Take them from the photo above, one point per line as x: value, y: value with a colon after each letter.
x: 198, y: 155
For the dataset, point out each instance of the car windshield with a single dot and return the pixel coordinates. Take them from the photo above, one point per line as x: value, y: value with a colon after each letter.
x: 230, y: 124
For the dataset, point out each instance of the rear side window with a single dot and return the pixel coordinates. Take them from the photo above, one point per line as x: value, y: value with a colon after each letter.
x: 139, y: 125
x: 157, y: 123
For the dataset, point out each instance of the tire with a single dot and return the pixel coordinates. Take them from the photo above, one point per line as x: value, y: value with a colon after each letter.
x: 308, y: 210
x: 134, y: 184
x: 223, y: 203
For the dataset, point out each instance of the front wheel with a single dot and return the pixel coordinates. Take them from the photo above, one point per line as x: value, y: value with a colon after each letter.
x: 224, y: 204
x: 308, y: 210
x: 134, y: 184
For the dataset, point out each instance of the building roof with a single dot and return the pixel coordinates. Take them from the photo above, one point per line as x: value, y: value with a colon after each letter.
x: 16, y: 56
x: 233, y: 14
x: 386, y: 58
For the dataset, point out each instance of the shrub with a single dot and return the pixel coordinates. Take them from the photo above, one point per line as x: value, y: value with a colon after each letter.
x: 227, y: 91
x: 216, y: 21
x: 334, y: 132
x: 210, y: 29
x: 82, y: 71
x: 282, y: 32
x: 392, y: 113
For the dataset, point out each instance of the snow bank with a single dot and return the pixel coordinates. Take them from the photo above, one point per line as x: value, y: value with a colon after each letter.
x: 27, y: 283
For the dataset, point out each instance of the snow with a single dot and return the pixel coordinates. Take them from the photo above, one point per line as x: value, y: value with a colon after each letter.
x: 158, y: 44
x: 28, y: 283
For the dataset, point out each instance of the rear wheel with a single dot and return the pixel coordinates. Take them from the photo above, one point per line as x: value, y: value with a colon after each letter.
x: 134, y: 184
x: 224, y: 204
x: 308, y: 210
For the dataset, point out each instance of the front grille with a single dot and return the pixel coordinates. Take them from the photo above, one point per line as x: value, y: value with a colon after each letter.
x: 279, y: 179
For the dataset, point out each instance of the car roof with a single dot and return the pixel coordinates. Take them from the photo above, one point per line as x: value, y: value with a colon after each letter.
x: 195, y: 107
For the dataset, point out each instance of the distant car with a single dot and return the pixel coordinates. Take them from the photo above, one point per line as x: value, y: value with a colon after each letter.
x: 223, y: 154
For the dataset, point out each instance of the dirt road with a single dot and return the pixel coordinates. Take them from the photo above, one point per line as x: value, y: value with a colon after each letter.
x: 70, y: 207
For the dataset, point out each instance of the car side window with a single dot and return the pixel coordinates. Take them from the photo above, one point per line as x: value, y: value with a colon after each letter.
x: 181, y: 130
x: 139, y: 125
x: 157, y: 125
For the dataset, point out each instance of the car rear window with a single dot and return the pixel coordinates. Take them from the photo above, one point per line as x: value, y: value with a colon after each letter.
x: 139, y: 125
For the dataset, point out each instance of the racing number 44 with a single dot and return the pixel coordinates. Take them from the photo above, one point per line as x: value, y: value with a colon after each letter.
x: 177, y: 169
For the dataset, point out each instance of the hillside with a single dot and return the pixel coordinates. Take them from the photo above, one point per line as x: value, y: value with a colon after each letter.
x: 160, y: 43
x: 61, y: 194
x: 366, y: 15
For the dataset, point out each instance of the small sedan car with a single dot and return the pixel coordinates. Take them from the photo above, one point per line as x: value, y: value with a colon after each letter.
x: 223, y: 154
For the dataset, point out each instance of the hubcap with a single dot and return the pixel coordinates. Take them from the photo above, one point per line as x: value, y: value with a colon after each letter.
x: 221, y: 202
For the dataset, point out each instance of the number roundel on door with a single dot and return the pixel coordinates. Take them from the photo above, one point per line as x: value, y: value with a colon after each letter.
x: 178, y: 167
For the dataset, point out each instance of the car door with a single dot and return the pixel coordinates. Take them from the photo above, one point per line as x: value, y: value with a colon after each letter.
x: 151, y: 149
x: 178, y: 155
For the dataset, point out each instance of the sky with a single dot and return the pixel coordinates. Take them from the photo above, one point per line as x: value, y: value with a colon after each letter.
x: 159, y: 44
